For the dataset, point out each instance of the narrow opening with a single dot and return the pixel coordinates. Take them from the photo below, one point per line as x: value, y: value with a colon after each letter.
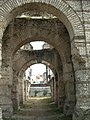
x: 36, y: 45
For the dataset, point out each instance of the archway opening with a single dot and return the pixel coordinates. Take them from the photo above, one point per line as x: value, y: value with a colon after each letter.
x: 39, y: 77
x: 47, y: 55
x: 42, y: 89
x: 52, y: 36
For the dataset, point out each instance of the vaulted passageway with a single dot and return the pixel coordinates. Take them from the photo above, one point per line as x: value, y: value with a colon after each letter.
x: 52, y: 58
x: 48, y: 57
x: 53, y: 32
x: 56, y: 23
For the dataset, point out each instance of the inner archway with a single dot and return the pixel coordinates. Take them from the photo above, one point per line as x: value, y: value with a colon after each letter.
x: 39, y: 75
x: 47, y: 56
x: 48, y: 35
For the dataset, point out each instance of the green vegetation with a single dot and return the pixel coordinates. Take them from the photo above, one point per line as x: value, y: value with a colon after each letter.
x: 45, y: 92
x: 36, y: 92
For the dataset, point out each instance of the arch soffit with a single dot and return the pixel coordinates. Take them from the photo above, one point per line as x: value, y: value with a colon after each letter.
x: 35, y: 60
x: 32, y: 62
x: 34, y: 34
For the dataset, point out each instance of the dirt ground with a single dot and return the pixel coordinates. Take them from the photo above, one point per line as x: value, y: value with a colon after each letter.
x: 39, y: 108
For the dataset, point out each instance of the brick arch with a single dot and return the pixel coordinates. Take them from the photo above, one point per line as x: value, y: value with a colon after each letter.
x: 18, y: 75
x: 61, y: 9
x: 61, y: 42
x: 19, y: 78
x: 40, y: 31
x: 32, y: 62
x: 52, y: 35
x: 46, y: 55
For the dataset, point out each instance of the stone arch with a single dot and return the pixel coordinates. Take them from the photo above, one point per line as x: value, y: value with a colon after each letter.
x: 63, y: 11
x: 51, y: 56
x: 32, y: 62
x: 18, y: 79
x: 60, y: 41
x: 31, y: 58
x: 22, y: 35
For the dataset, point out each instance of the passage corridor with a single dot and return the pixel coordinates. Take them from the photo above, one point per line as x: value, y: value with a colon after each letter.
x: 39, y: 109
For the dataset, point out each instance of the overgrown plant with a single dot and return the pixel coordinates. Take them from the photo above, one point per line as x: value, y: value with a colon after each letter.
x: 36, y: 92
x: 45, y: 92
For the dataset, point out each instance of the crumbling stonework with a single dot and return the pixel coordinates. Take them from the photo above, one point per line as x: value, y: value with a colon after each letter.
x: 20, y: 63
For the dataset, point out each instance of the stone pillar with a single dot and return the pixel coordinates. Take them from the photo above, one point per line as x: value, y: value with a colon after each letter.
x: 69, y: 98
x: 54, y: 90
x: 15, y: 93
x: 5, y: 84
x: 69, y: 82
x: 1, y: 114
x: 28, y: 88
x: 5, y: 92
x: 21, y: 91
x: 82, y: 81
x: 51, y: 83
x: 25, y: 88
x: 61, y: 92
x: 82, y: 109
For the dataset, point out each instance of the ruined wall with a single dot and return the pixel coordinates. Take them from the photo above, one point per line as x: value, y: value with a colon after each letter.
x: 82, y: 8
x: 48, y: 55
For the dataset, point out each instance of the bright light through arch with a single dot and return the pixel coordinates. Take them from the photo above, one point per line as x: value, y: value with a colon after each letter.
x: 38, y: 45
x: 38, y: 73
